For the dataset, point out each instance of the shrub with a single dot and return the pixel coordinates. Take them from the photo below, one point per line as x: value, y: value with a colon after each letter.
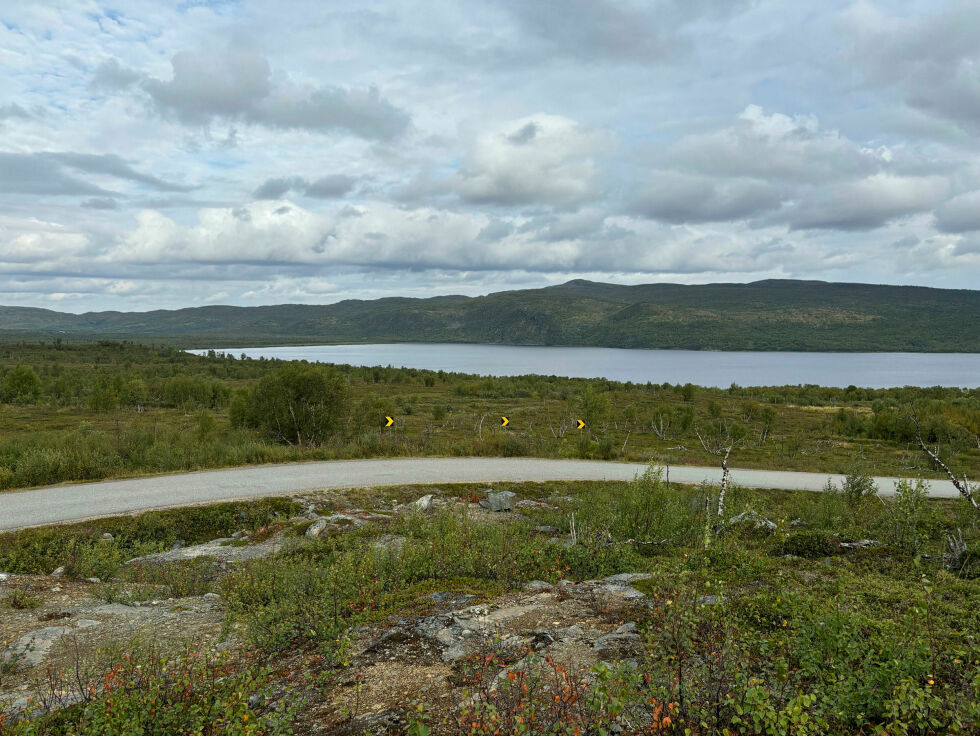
x: 20, y: 385
x: 858, y: 485
x: 300, y: 404
x: 909, y: 516
x: 811, y: 544
x: 21, y: 601
x: 148, y: 694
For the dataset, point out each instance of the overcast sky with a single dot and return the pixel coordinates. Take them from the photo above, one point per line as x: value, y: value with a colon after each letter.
x: 157, y: 154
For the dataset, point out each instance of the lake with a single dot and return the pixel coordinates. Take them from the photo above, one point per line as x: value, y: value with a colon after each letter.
x: 703, y: 368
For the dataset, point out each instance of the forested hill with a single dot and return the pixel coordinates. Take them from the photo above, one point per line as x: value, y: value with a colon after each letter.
x: 764, y: 315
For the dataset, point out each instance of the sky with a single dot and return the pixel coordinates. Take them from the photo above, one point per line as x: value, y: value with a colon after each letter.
x: 171, y: 154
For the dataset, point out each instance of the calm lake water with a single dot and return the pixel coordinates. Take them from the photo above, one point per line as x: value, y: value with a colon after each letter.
x: 873, y: 370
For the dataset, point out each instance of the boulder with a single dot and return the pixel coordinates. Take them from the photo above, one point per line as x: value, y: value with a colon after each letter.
x: 537, y: 586
x: 424, y: 504
x: 317, y: 528
x: 624, y: 640
x: 751, y: 520
x: 501, y: 501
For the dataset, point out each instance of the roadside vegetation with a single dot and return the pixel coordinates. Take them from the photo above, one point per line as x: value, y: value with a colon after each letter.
x: 87, y: 412
x: 791, y: 613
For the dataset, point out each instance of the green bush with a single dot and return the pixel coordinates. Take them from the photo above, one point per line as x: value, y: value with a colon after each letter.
x: 20, y: 385
x: 811, y: 544
x: 299, y: 404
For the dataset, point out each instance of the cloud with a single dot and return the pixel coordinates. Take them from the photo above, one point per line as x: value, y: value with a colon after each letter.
x: 618, y: 31
x: 101, y: 203
x: 678, y: 197
x: 332, y: 186
x: 770, y: 167
x: 13, y: 110
x: 110, y: 75
x: 113, y: 165
x: 866, y: 204
x: 775, y: 147
x: 238, y: 85
x: 24, y: 173
x: 541, y: 159
x: 931, y: 58
x: 45, y: 173
x: 960, y: 214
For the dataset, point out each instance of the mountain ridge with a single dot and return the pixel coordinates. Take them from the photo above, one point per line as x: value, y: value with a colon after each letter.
x: 773, y: 314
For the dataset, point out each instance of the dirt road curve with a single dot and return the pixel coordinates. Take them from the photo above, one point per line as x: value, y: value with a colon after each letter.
x: 66, y: 503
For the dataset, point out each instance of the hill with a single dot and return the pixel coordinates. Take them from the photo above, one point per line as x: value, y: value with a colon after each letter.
x: 764, y: 315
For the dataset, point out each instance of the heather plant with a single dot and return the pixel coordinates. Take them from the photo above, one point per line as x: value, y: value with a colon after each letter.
x: 149, y: 693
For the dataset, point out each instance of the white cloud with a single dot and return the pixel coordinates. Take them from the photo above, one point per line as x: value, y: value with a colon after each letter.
x: 537, y: 159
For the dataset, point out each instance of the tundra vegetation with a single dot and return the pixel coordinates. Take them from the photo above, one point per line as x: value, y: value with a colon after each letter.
x: 86, y: 412
x: 806, y: 613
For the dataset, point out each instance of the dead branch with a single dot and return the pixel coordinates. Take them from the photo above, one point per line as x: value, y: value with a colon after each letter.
x: 960, y: 484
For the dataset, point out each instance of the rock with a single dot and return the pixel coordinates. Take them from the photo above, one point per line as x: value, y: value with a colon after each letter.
x: 342, y: 520
x: 537, y: 586
x: 256, y: 700
x: 334, y: 522
x: 861, y: 544
x: 709, y: 600
x: 750, y: 519
x: 92, y: 580
x: 389, y: 543
x: 447, y: 598
x: 386, y: 722
x: 108, y: 537
x: 545, y: 529
x: 502, y: 501
x: 317, y: 528
x: 32, y: 648
x: 212, y: 597
x: 531, y: 504
x: 627, y: 577
x: 617, y: 643
x: 424, y: 504
x: 220, y: 549
x: 567, y: 633
x: 58, y: 572
x: 561, y: 541
x: 798, y: 524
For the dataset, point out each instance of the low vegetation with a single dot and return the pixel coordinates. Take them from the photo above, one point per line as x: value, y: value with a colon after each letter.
x: 86, y: 412
x: 843, y: 613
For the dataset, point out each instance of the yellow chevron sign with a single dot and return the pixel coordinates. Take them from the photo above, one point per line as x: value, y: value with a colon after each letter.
x: 390, y: 421
x: 504, y: 421
x: 581, y: 424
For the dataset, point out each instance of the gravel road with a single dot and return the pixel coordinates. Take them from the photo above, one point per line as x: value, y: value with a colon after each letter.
x: 65, y: 503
